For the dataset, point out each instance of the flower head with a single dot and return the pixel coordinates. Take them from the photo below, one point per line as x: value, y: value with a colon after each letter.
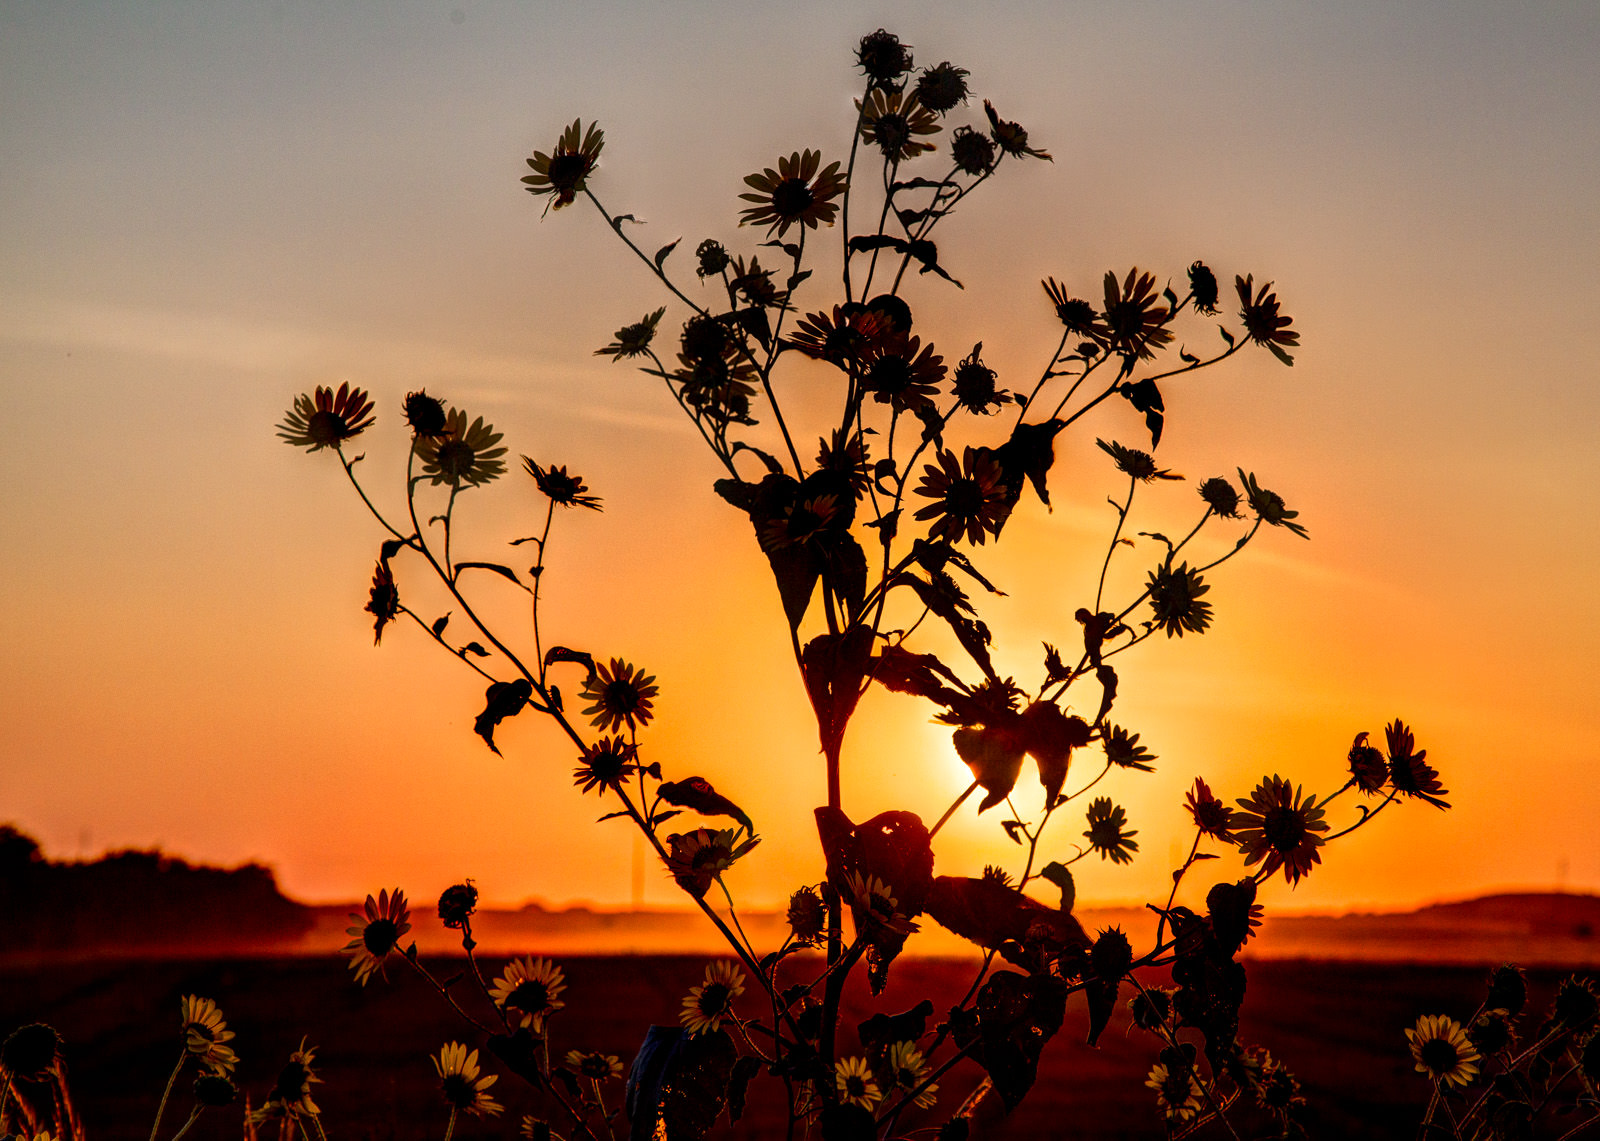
x: 974, y: 385
x: 292, y: 1091
x: 799, y: 193
x: 1221, y: 497
x: 1011, y: 137
x: 30, y: 1051
x: 1175, y: 599
x: 377, y: 935
x: 1203, y: 288
x: 206, y: 1035
x: 1211, y: 816
x: 1151, y: 1007
x: 1135, y: 464
x: 1280, y: 827
x: 972, y: 153
x: 942, y: 86
x: 1442, y: 1050
x: 215, y: 1090
x: 883, y: 58
x: 873, y: 904
x: 456, y: 905
x: 896, y: 123
x: 840, y: 337
x: 594, y: 1066
x: 1135, y: 324
x: 906, y: 1069
x: 808, y: 917
x: 1111, y: 955
x: 1178, y: 1094
x: 968, y: 497
x: 1075, y: 314
x: 383, y: 600
x: 424, y: 414
x: 1576, y: 1006
x: 852, y: 1077
x: 564, y: 172
x: 529, y: 990
x: 1106, y: 833
x: 464, y: 455
x: 1409, y: 771
x: 326, y: 418
x: 711, y: 258
x: 633, y: 340
x: 463, y: 1089
x: 697, y: 858
x: 902, y: 372
x: 559, y: 487
x: 1368, y: 769
x: 619, y: 695
x: 1269, y: 506
x: 605, y: 765
x: 707, y: 1005
x: 1123, y: 749
x: 1262, y: 321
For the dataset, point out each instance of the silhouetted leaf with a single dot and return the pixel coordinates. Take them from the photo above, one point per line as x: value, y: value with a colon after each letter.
x: 502, y: 571
x: 1226, y: 336
x: 697, y: 793
x: 1061, y: 875
x: 664, y: 251
x: 995, y: 758
x: 795, y: 279
x: 1015, y: 1016
x: 941, y: 595
x: 1049, y: 736
x: 561, y: 654
x: 1028, y: 456
x: 846, y: 565
x: 754, y: 321
x: 503, y: 699
x: 695, y: 1085
x: 881, y: 1031
x: 894, y: 847
x: 747, y: 1067
x: 1146, y: 397
x: 992, y: 914
x: 439, y: 624
x: 834, y: 666
x: 901, y: 671
x: 477, y: 649
x: 773, y: 466
x: 390, y: 548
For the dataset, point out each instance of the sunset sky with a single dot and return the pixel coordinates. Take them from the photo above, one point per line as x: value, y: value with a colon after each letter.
x: 207, y: 208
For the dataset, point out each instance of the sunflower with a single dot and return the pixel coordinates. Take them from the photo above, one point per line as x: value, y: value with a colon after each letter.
x: 968, y: 497
x: 882, y: 57
x: 908, y: 1069
x: 605, y: 765
x: 596, y: 1067
x: 1221, y: 497
x: 838, y: 338
x: 1211, y: 816
x: 696, y: 858
x: 797, y: 193
x: 564, y: 172
x: 1280, y: 827
x: 424, y: 414
x: 619, y: 695
x: 215, y: 1091
x: 893, y: 120
x: 1135, y: 324
x: 456, y: 905
x: 1151, y: 1007
x: 720, y: 385
x: 972, y: 153
x: 1262, y: 322
x: 206, y: 1035
x: 1106, y: 835
x: 853, y: 1079
x: 808, y: 917
x: 562, y: 489
x: 1011, y: 137
x: 1123, y: 749
x: 463, y: 1089
x: 872, y: 902
x: 942, y: 86
x: 1368, y: 770
x: 712, y: 258
x: 530, y: 990
x: 1276, y: 1089
x: 1175, y: 599
x: 1075, y: 314
x: 326, y: 419
x: 633, y: 340
x: 465, y: 454
x: 974, y: 385
x: 1269, y: 506
x: 291, y: 1093
x: 1409, y: 771
x: 1135, y: 464
x: 1203, y: 288
x: 1442, y: 1051
x: 378, y: 935
x: 31, y: 1051
x: 706, y: 1005
x: 1178, y: 1094
x: 383, y: 600
x: 902, y: 372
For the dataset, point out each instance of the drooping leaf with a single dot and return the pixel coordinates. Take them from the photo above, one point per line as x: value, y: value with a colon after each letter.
x: 503, y: 699
x: 1146, y: 397
x: 502, y: 571
x: 1015, y: 1015
x: 795, y: 567
x: 994, y: 755
x: 991, y: 914
x: 846, y: 566
x: 439, y: 624
x: 1059, y: 874
x: 901, y: 671
x: 754, y: 321
x: 747, y: 1067
x: 697, y: 793
x: 834, y: 666
x: 1027, y: 457
x: 1050, y: 736
x: 941, y: 595
x: 561, y: 654
x: 881, y: 1031
x: 664, y: 251
x: 892, y: 847
x: 390, y: 548
x: 679, y: 1082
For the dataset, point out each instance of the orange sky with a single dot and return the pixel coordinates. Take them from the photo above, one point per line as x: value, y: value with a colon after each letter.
x: 209, y: 210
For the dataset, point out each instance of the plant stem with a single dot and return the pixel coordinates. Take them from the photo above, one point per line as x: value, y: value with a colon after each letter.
x: 166, y: 1093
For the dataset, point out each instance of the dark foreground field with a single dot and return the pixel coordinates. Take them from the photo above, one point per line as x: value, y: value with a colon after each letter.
x: 1336, y: 1025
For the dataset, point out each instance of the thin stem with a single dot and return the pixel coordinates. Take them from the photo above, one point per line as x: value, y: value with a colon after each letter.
x: 166, y: 1093
x: 349, y: 466
x: 951, y: 811
x: 446, y: 995
x: 450, y: 1128
x: 194, y: 1115
x: 1116, y: 535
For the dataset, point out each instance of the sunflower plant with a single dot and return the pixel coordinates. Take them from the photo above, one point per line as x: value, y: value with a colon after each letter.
x: 874, y: 520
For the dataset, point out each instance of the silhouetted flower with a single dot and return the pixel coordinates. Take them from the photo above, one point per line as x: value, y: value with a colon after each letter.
x: 1175, y: 599
x: 892, y: 312
x: 378, y: 934
x: 942, y: 86
x: 1178, y: 1094
x: 838, y: 338
x: 1280, y: 827
x: 1368, y: 770
x: 563, y: 173
x: 800, y: 522
x: 1269, y: 506
x: 383, y: 600
x: 326, y: 418
x: 808, y: 918
x: 1491, y: 1032
x: 1262, y: 321
x: 1442, y: 1051
x: 1135, y: 324
x: 1151, y: 1007
x: 563, y: 490
x: 704, y: 339
x: 1576, y: 1006
x: 1221, y: 497
x: 1075, y: 314
x: 892, y: 121
x: 873, y: 904
x: 529, y: 990
x: 1134, y: 463
x: 974, y: 385
x: 1276, y: 1088
x: 1010, y: 137
x: 594, y: 1066
x: 215, y: 1090
x: 466, y: 454
x: 456, y: 904
x: 902, y: 372
x: 463, y: 1089
x: 605, y: 765
x: 1106, y: 833
x: 30, y: 1051
x: 292, y: 1091
x: 972, y: 153
x: 712, y: 258
x: 852, y: 1077
x: 800, y: 192
x: 633, y: 340
x: 1123, y: 749
x: 707, y: 1005
x: 1211, y: 816
x: 968, y: 497
x: 620, y: 695
x: 1508, y: 990
x: 755, y: 285
x: 424, y: 414
x: 1203, y: 287
x: 206, y: 1035
x: 696, y: 858
x: 1112, y: 954
x: 906, y: 1069
x: 1409, y: 771
x: 883, y: 58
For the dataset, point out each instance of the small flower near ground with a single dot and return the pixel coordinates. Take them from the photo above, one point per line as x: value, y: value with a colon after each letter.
x: 619, y: 695
x: 456, y: 904
x: 605, y: 765
x: 872, y: 901
x: 563, y: 173
x: 1409, y: 771
x: 853, y: 1079
x: 633, y: 340
x: 1123, y: 749
x: 559, y: 487
x: 378, y: 934
x: 1221, y: 497
x: 459, y: 1082
x: 383, y: 600
x: 906, y: 1070
x: 1175, y: 599
x: 1262, y: 320
x: 1211, y: 816
x: 1269, y: 506
x: 808, y: 917
x: 465, y: 456
x: 1133, y: 463
x: 1178, y: 1094
x: 1368, y: 770
x: 30, y: 1051
x: 799, y: 193
x: 1203, y: 288
x: 709, y: 1004
x: 326, y: 418
x: 1106, y: 833
x: 968, y: 497
x: 1277, y: 1090
x: 206, y: 1035
x: 1280, y: 827
x: 424, y: 414
x: 594, y: 1066
x: 529, y: 991
x: 896, y: 123
x: 1442, y: 1050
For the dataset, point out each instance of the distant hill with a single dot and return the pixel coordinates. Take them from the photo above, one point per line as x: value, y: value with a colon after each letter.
x: 139, y: 903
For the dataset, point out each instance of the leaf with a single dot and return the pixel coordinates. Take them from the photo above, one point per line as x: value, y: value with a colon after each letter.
x: 475, y: 648
x: 439, y: 624
x: 698, y: 794
x: 846, y: 564
x: 1016, y: 1015
x: 766, y: 458
x: 661, y: 254
x: 927, y: 254
x: 1028, y: 456
x: 502, y: 571
x: 944, y: 598
x: 881, y: 1031
x: 1146, y: 397
x: 992, y: 914
x: 795, y: 567
x: 1049, y: 737
x: 1013, y: 829
x: 695, y: 1085
x: 578, y: 657
x: 754, y: 321
x: 919, y: 184
x: 611, y: 815
x: 390, y: 548
x: 795, y: 279
x: 909, y: 218
x: 901, y: 671
x: 616, y: 222
x: 1226, y: 336
x: 1061, y: 875
x: 895, y: 848
x: 1186, y: 356
x: 834, y: 666
x: 663, y: 817
x: 866, y: 243
x: 747, y: 1067
x: 502, y: 699
x: 995, y: 758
